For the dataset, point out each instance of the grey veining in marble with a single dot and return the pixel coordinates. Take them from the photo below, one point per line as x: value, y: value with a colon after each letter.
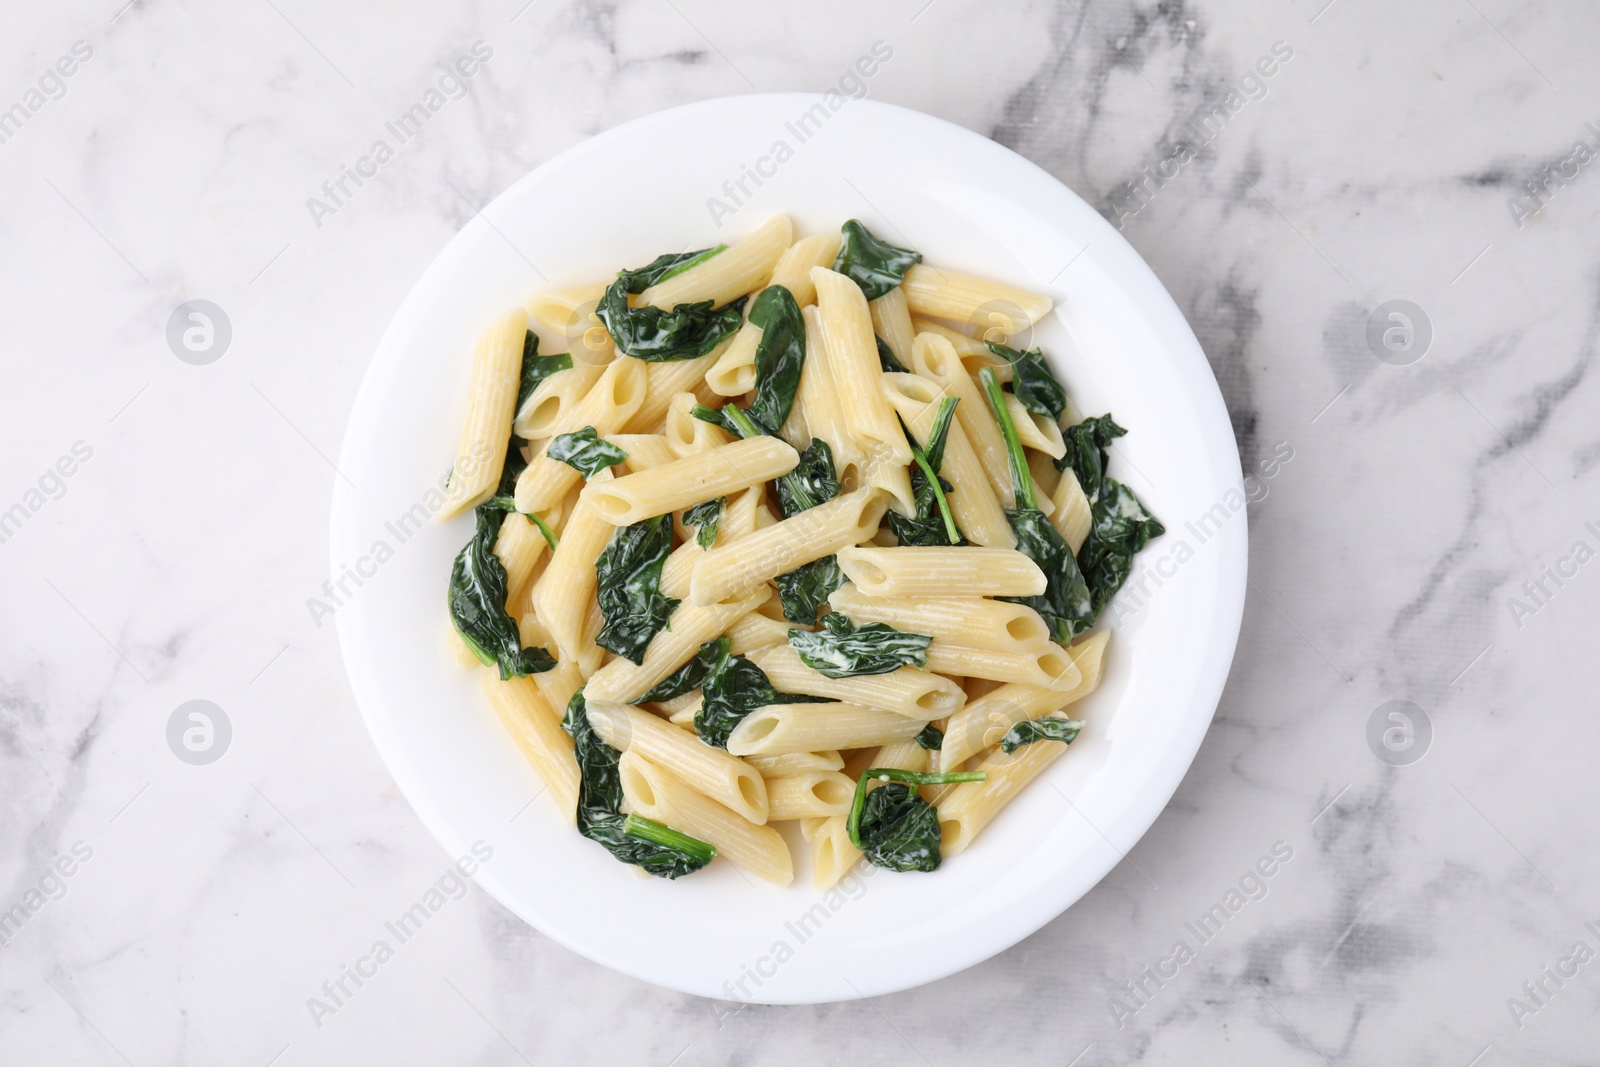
x: 1430, y: 537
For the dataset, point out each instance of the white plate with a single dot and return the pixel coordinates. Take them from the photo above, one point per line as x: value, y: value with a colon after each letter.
x: 1116, y: 339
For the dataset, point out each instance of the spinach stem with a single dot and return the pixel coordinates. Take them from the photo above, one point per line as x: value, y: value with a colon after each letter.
x: 544, y: 528
x: 1019, y: 463
x: 659, y: 834
x: 890, y: 774
x: 946, y: 407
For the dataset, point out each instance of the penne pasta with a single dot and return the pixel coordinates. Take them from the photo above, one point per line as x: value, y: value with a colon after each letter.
x: 1035, y: 431
x: 970, y: 806
x: 655, y: 794
x: 616, y: 395
x: 938, y: 571
x: 1073, y: 517
x: 962, y: 620
x: 519, y: 548
x: 664, y: 381
x: 739, y: 269
x: 562, y: 596
x: 684, y: 482
x: 491, y: 400
x: 687, y: 435
x: 755, y: 632
x: 996, y: 311
x: 1048, y: 666
x: 892, y: 321
x: 621, y: 681
x: 766, y: 553
x: 779, y: 728
x: 851, y: 353
x: 646, y: 451
x: 832, y: 854
x: 906, y: 691
x: 729, y: 781
x: 818, y: 400
x: 933, y: 358
x: 796, y: 763
x: 808, y: 795
x: 735, y: 371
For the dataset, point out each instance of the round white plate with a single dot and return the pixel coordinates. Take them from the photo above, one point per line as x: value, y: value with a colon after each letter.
x: 682, y: 179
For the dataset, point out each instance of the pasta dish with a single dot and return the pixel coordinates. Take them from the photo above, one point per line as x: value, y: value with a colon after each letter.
x: 795, y: 529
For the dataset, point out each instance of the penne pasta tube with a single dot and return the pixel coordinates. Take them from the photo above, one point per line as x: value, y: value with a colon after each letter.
x: 735, y: 371
x: 1073, y: 516
x: 1035, y: 431
x: 656, y: 794
x: 997, y: 311
x: 832, y: 854
x: 519, y: 546
x: 905, y: 691
x: 667, y: 380
x: 686, y: 434
x: 567, y: 587
x: 615, y: 396
x: 764, y: 554
x: 933, y: 358
x: 646, y: 451
x: 570, y: 312
x: 558, y: 684
x: 739, y: 517
x: 1048, y: 665
x: 536, y: 728
x: 812, y: 794
x: 939, y: 571
x: 901, y: 756
x: 558, y: 393
x: 711, y: 771
x: 622, y: 681
x: 491, y: 404
x: 754, y: 632
x: 962, y: 620
x: 852, y: 356
x: 684, y: 715
x: 779, y: 728
x: 970, y: 806
x: 691, y: 480
x: 984, y: 721
x: 790, y: 763
x: 742, y: 267
x: 976, y: 509
x: 818, y: 400
x: 970, y: 350
x: 590, y: 655
x: 892, y: 321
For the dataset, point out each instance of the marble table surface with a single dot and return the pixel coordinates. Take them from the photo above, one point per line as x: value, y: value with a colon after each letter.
x: 1291, y: 170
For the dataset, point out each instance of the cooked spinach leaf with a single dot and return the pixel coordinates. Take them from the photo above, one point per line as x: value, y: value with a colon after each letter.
x: 704, y: 518
x: 804, y: 590
x: 894, y: 827
x: 600, y: 801
x: 477, y: 601
x: 536, y: 368
x: 1065, y: 603
x: 628, y: 586
x: 877, y: 266
x: 1038, y: 389
x: 688, y: 331
x: 585, y: 451
x: 843, y: 650
x: 932, y: 524
x: 780, y: 356
x: 887, y: 360
x: 733, y: 690
x: 1049, y: 728
x: 812, y: 481
x: 931, y: 737
x: 691, y: 674
x: 1121, y: 526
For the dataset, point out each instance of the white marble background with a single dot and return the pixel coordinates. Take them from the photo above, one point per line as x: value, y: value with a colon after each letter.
x: 175, y: 562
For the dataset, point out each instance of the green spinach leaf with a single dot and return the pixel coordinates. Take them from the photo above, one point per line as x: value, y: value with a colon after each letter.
x: 931, y: 737
x: 477, y: 601
x: 843, y: 650
x: 877, y: 266
x: 780, y: 356
x: 1037, y: 388
x: 894, y: 827
x: 585, y: 451
x: 933, y: 524
x: 691, y: 674
x: 705, y: 518
x: 812, y: 481
x: 1048, y: 728
x: 688, y: 331
x: 1121, y: 526
x: 887, y: 361
x: 804, y: 590
x: 668, y: 855
x: 733, y: 690
x: 536, y: 368
x: 628, y: 586
x: 1088, y: 450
